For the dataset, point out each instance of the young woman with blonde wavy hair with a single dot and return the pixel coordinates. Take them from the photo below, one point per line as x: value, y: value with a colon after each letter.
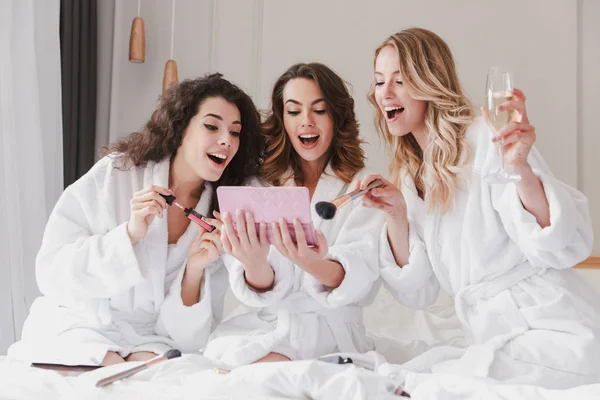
x: 309, y: 299
x: 504, y: 252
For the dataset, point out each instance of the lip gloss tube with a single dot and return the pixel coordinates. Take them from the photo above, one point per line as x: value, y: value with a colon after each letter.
x: 199, y: 219
x: 190, y: 213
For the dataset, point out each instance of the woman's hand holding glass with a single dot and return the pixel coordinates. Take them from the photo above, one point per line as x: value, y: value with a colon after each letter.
x: 505, y: 113
x: 518, y: 136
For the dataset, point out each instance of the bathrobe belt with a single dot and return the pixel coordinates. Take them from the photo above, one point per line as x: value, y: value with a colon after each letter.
x: 134, y: 324
x: 336, y: 318
x: 478, y: 358
x: 472, y: 294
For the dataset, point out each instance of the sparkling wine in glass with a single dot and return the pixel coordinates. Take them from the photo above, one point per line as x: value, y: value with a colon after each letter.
x: 497, y: 91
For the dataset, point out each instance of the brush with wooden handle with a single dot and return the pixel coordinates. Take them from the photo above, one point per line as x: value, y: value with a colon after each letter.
x: 327, y: 210
x: 173, y: 353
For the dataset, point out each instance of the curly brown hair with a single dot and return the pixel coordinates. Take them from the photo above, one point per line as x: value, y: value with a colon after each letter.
x: 161, y: 136
x: 345, y: 153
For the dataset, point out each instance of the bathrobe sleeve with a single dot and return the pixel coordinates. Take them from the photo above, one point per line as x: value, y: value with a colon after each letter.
x: 283, y: 282
x: 79, y: 259
x: 355, y: 248
x: 415, y: 284
x: 190, y: 327
x: 569, y: 238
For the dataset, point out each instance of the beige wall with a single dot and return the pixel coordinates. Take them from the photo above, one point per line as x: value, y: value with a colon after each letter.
x: 553, y: 47
x: 135, y: 87
x: 589, y: 69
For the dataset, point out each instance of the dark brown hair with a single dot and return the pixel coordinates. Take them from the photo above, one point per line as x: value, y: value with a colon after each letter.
x: 345, y: 154
x: 161, y: 136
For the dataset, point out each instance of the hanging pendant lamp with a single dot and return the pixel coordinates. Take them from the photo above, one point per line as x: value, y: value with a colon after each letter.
x: 137, y: 39
x: 170, y: 77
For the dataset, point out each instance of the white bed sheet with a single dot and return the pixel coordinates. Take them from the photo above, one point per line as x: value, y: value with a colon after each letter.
x: 193, y: 377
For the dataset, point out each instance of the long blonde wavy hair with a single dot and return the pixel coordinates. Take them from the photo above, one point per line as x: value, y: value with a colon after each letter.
x: 428, y: 71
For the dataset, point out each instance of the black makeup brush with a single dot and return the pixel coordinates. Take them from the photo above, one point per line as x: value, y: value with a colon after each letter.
x: 173, y: 353
x: 326, y: 209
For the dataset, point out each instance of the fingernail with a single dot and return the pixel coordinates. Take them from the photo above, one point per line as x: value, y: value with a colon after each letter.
x: 248, y: 215
x: 238, y: 212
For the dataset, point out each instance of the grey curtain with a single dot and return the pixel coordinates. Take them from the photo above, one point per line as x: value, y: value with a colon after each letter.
x: 78, y: 47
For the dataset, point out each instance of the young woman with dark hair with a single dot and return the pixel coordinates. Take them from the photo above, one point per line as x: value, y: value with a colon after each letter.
x: 106, y: 261
x: 309, y: 299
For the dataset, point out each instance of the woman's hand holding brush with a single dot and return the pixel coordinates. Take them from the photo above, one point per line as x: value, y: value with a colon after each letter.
x: 389, y: 199
x: 327, y: 209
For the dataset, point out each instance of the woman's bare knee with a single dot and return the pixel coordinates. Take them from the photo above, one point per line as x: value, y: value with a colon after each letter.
x: 111, y: 358
x: 140, y: 356
x: 273, y: 357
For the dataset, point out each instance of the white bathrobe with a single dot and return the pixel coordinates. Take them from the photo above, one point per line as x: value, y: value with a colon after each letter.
x: 531, y: 318
x: 300, y: 317
x: 102, y: 294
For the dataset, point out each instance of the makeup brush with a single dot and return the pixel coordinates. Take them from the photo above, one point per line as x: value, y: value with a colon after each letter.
x: 326, y: 209
x: 190, y: 213
x: 173, y: 353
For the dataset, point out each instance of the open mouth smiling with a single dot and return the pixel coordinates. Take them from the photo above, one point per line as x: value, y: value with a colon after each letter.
x: 392, y: 112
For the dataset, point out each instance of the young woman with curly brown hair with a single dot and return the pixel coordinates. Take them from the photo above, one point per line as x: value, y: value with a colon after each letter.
x: 309, y: 298
x: 107, y: 261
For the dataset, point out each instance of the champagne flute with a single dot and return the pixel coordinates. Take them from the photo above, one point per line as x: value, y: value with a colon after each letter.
x: 497, y: 91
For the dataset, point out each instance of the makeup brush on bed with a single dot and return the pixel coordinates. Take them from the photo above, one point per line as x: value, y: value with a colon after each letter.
x: 326, y: 209
x: 173, y: 353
